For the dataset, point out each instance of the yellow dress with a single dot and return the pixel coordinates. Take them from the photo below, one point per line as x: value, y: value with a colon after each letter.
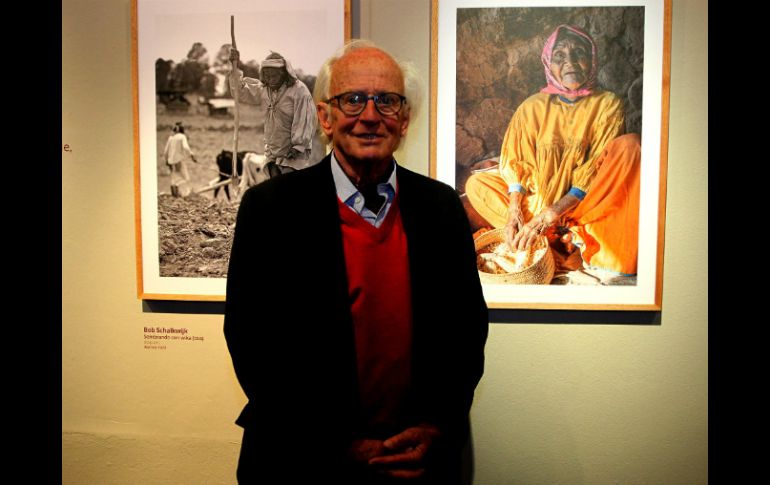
x: 552, y: 147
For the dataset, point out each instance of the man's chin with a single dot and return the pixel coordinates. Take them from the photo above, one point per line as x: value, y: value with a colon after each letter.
x: 372, y: 156
x: 370, y: 149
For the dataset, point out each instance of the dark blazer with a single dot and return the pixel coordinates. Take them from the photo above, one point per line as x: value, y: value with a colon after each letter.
x: 289, y: 330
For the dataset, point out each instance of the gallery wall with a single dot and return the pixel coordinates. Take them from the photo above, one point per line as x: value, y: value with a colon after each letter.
x: 567, y: 397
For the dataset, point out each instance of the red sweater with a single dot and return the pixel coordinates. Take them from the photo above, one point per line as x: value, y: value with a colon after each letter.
x: 381, y: 305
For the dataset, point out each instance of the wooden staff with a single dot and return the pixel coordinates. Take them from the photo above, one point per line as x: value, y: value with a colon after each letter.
x: 234, y: 66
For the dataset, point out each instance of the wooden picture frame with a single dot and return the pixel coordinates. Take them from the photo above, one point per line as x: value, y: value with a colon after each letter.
x: 179, y: 76
x: 486, y: 61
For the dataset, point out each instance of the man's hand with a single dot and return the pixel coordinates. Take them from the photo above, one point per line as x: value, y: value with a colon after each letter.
x: 235, y: 56
x: 361, y: 451
x: 406, y: 452
x: 234, y: 78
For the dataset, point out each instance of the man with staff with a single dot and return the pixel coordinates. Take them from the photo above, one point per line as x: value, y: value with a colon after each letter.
x: 290, y: 116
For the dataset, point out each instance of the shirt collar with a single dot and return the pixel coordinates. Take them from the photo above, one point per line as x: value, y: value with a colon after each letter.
x: 347, y: 192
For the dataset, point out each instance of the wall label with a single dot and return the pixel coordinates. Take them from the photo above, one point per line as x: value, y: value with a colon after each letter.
x: 159, y: 338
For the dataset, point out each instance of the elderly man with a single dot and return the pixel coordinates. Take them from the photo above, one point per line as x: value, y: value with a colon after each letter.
x: 290, y: 119
x: 354, y: 316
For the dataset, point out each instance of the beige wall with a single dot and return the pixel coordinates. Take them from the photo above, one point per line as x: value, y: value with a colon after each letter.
x: 559, y: 403
x: 401, y: 27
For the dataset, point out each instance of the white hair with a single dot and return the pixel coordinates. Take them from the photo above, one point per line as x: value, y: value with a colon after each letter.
x: 412, y: 82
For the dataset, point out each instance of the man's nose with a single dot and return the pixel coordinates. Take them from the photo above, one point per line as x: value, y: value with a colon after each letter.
x: 370, y: 112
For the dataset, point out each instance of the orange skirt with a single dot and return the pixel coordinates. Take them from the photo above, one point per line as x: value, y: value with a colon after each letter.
x: 606, y: 221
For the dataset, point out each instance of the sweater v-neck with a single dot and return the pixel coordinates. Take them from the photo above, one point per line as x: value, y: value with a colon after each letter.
x: 356, y: 222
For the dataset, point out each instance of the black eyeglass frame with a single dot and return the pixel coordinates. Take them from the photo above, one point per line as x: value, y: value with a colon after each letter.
x: 373, y: 97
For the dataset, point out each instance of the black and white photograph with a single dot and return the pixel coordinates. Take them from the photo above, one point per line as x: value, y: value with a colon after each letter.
x: 545, y: 105
x: 192, y: 115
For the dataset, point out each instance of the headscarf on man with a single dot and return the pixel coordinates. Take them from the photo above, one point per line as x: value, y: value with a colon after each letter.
x: 275, y: 59
x: 554, y: 86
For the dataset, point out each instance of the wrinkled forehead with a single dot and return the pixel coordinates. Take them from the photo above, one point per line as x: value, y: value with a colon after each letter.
x: 567, y: 38
x: 367, y: 69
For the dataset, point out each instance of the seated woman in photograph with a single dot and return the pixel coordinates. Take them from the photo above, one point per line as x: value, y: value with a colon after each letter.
x: 566, y: 162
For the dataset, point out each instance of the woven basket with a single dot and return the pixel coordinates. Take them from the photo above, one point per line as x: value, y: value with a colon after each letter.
x: 538, y: 273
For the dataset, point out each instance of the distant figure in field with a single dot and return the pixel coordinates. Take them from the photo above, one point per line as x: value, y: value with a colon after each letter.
x: 175, y: 154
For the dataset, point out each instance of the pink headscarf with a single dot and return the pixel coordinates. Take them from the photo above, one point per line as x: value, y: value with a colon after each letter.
x: 554, y: 87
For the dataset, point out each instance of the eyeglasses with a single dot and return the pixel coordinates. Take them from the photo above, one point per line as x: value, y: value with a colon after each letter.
x: 353, y: 104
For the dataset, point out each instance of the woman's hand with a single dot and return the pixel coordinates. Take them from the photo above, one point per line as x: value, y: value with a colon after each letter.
x: 515, y: 221
x: 533, y: 229
x: 539, y: 224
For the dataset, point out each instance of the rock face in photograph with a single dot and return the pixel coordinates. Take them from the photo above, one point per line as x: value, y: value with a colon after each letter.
x: 498, y: 67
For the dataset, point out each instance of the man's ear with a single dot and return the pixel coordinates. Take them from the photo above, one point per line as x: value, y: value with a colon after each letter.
x: 405, y: 122
x: 324, y: 118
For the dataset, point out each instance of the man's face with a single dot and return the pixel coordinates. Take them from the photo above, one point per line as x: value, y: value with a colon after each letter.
x: 571, y: 61
x: 370, y: 138
x: 273, y: 77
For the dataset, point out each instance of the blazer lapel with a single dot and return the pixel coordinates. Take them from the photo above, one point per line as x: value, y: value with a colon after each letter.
x: 324, y: 245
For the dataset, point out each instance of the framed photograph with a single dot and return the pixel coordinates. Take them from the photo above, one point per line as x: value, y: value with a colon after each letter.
x: 188, y: 124
x: 550, y: 119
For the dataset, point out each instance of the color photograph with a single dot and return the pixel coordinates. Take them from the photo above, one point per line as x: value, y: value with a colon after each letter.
x: 549, y: 127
